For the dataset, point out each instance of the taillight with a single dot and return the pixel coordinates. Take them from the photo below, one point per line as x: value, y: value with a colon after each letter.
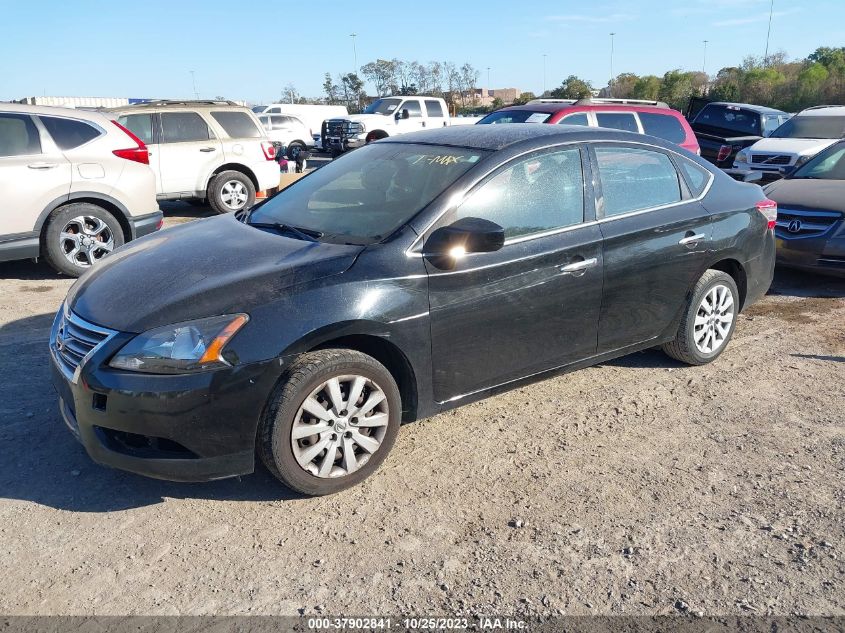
x: 138, y: 154
x: 724, y: 152
x: 768, y: 208
x: 269, y: 150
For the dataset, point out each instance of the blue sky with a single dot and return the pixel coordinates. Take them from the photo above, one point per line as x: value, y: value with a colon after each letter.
x: 250, y: 50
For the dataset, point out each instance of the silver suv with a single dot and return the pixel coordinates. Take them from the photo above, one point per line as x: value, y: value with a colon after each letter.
x: 214, y: 150
x: 75, y: 184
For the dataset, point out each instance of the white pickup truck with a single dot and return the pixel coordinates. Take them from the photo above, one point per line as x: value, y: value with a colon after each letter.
x: 385, y: 117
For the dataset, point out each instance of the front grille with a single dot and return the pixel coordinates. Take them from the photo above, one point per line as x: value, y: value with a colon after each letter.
x: 771, y: 159
x: 73, y: 340
x: 795, y: 223
x: 340, y: 128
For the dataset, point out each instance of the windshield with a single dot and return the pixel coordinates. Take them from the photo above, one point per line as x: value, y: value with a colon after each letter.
x: 829, y: 165
x: 515, y: 116
x: 365, y: 196
x: 383, y: 106
x: 730, y: 119
x: 258, y: 109
x: 812, y: 127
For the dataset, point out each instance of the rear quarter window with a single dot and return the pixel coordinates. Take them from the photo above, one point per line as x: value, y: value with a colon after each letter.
x: 237, y: 124
x: 696, y: 176
x: 663, y: 126
x: 68, y: 133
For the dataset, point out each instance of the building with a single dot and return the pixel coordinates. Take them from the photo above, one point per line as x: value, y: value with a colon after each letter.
x: 485, y: 96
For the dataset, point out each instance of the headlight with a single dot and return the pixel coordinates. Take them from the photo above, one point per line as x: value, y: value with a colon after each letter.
x: 741, y: 156
x: 801, y: 160
x: 361, y: 128
x: 181, y: 347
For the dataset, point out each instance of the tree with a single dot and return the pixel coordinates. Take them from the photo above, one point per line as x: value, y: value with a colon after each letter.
x: 678, y: 86
x: 497, y: 103
x: 352, y: 88
x: 573, y: 88
x: 646, y: 87
x: 330, y: 89
x: 623, y: 86
x: 382, y: 73
x: 524, y: 98
x: 289, y: 93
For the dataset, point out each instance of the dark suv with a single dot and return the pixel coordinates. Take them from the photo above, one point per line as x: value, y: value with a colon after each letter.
x: 409, y: 277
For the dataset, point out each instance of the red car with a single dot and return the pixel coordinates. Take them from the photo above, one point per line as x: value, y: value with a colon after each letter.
x: 646, y: 117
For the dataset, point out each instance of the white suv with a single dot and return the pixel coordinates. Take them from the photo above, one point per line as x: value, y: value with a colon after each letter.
x: 75, y: 184
x: 287, y: 131
x: 795, y: 142
x: 214, y: 150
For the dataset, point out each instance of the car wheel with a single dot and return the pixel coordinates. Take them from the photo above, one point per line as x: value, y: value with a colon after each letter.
x: 78, y: 236
x: 708, y: 321
x: 295, y: 149
x: 330, y: 422
x: 231, y: 191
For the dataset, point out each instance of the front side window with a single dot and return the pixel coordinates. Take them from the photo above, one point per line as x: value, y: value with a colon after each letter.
x: 617, y: 121
x: 579, y: 118
x: 183, y: 127
x: 368, y: 194
x: 515, y: 116
x: 433, y: 108
x: 69, y: 133
x: 413, y: 108
x: 812, y: 126
x: 237, y: 124
x: 18, y: 135
x: 533, y: 195
x: 635, y: 179
x: 141, y: 125
x: 663, y: 126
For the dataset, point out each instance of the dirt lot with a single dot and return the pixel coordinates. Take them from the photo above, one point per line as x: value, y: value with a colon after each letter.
x: 637, y: 487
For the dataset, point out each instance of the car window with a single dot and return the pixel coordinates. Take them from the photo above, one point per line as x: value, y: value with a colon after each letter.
x: 141, y: 125
x: 578, y: 118
x: 413, y: 108
x: 697, y: 177
x: 812, y: 126
x: 515, y: 116
x: 237, y: 124
x: 729, y: 118
x: 635, y: 179
x: 275, y: 110
x: 771, y: 122
x: 182, y: 127
x: 68, y: 133
x: 663, y: 126
x: 617, y: 121
x: 18, y: 135
x: 532, y: 195
x: 829, y: 165
x: 433, y: 107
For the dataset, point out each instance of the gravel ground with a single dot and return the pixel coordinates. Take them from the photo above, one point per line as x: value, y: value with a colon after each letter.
x: 637, y: 487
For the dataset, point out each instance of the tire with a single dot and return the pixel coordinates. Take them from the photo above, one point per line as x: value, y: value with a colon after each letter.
x: 307, y: 380
x: 295, y: 149
x: 689, y: 347
x: 231, y: 191
x: 78, y: 236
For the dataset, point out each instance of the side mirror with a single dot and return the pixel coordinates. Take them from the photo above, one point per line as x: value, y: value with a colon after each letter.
x: 450, y: 243
x: 403, y: 114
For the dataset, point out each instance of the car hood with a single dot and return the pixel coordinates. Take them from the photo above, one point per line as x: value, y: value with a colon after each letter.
x: 802, y: 193
x: 800, y: 146
x: 199, y: 269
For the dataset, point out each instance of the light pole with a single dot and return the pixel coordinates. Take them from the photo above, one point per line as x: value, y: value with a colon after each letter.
x: 704, y: 63
x: 769, y: 32
x: 544, y: 75
x: 610, y: 85
x: 194, y: 83
x: 354, y: 51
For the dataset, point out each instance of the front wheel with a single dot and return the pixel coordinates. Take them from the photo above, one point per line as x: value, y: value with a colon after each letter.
x: 231, y: 191
x: 708, y: 321
x: 331, y: 421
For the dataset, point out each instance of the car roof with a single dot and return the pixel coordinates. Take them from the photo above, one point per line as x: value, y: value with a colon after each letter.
x: 553, y: 108
x: 502, y: 135
x: 178, y: 105
x: 70, y: 113
x: 824, y: 110
x: 747, y: 106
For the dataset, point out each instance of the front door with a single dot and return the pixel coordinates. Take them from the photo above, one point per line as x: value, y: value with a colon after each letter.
x: 534, y: 304
x: 416, y: 117
x: 187, y: 153
x: 656, y: 243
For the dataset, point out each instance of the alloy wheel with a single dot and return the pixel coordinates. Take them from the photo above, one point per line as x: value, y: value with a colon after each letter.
x: 234, y: 195
x: 714, y: 319
x: 85, y: 240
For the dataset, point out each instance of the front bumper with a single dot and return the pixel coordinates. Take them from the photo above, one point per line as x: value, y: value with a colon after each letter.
x: 188, y: 427
x: 818, y: 254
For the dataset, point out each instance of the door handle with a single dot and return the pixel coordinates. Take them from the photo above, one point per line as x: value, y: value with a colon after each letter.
x: 580, y: 265
x: 43, y: 165
x: 208, y: 149
x: 692, y: 239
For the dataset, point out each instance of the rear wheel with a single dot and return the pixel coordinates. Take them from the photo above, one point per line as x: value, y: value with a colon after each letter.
x: 231, y: 191
x: 78, y: 236
x: 295, y: 149
x: 331, y: 422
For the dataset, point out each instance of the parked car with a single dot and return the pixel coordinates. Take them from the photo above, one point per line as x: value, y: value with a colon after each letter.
x: 76, y: 185
x: 795, y: 142
x: 646, y: 117
x: 384, y: 117
x: 288, y: 132
x: 722, y: 129
x: 312, y: 115
x: 204, y: 150
x: 407, y: 278
x: 810, y: 227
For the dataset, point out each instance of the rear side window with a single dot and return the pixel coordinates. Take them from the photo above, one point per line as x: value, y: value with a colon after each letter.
x: 617, y: 121
x: 579, y: 118
x: 237, y: 124
x: 413, y: 108
x: 67, y: 133
x: 433, y: 107
x: 663, y: 126
x: 183, y: 127
x: 141, y: 125
x: 536, y: 194
x: 635, y: 179
x: 697, y: 177
x: 18, y: 135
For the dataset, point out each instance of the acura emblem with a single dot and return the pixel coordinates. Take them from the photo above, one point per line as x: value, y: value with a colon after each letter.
x: 794, y: 226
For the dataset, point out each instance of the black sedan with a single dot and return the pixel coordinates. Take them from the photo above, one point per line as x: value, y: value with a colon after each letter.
x: 810, y: 228
x: 409, y: 277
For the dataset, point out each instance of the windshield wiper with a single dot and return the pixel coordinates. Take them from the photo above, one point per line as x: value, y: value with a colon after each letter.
x: 308, y: 235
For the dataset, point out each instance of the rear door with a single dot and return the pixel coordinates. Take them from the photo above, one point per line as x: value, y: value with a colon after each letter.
x: 657, y: 240
x: 188, y: 152
x: 534, y: 304
x: 626, y: 121
x: 435, y: 115
x: 33, y: 173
